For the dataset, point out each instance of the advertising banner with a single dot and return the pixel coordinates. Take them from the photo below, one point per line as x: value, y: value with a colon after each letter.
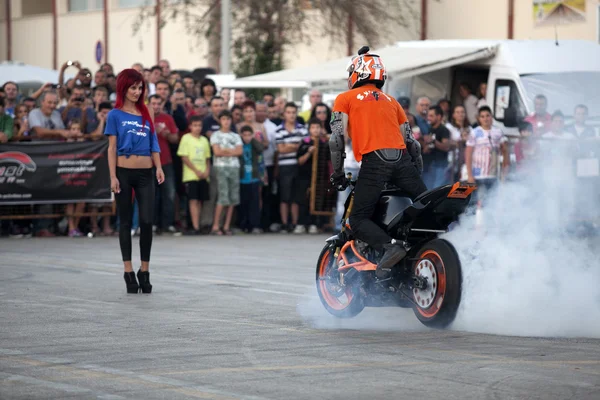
x: 54, y: 172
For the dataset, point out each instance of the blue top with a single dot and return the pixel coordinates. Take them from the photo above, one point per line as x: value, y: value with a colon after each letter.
x: 132, y: 138
x: 247, y: 176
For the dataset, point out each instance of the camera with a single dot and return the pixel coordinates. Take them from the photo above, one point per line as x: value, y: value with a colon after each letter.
x: 80, y: 99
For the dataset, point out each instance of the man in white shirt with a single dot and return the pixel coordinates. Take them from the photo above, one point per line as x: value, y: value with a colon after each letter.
x: 469, y: 102
x: 270, y: 194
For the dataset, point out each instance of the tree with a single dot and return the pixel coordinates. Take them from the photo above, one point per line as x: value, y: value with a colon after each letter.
x: 263, y: 28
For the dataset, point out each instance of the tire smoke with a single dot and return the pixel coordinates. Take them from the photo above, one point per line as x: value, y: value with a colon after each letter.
x: 374, y: 319
x: 527, y: 270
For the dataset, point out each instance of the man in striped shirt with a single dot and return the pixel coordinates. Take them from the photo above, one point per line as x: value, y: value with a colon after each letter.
x: 288, y: 137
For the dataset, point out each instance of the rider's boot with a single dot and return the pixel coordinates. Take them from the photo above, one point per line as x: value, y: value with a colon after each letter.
x: 394, y: 252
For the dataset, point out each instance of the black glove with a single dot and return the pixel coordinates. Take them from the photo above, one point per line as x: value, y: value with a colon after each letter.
x: 339, y: 181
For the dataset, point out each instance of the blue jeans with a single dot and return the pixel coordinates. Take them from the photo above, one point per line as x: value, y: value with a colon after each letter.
x: 341, y: 200
x: 164, y: 203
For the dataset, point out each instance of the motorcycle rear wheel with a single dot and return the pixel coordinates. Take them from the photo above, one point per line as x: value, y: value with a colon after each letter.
x: 344, y: 303
x: 438, y: 304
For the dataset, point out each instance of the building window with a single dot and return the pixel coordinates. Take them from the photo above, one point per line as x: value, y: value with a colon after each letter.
x: 144, y: 3
x: 35, y: 7
x: 85, y: 5
x: 136, y: 3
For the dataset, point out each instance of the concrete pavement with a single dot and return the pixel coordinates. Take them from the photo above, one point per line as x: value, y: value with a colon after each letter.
x: 238, y: 318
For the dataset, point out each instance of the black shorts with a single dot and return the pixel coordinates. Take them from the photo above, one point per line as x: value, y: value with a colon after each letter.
x: 197, y: 190
x: 301, y: 196
x: 288, y: 175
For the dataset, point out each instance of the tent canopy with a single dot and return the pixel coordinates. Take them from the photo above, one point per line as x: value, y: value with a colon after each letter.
x: 423, y: 57
x: 23, y: 73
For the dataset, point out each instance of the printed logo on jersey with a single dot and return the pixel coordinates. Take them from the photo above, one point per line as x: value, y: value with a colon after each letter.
x: 369, y: 95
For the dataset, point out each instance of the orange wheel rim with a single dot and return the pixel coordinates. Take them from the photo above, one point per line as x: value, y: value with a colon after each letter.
x: 430, y: 300
x: 332, y: 300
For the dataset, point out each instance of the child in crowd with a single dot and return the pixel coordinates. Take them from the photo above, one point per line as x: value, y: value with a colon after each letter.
x: 227, y: 148
x: 194, y: 151
x: 75, y: 130
x: 250, y: 183
x: 306, y: 154
x: 74, y: 208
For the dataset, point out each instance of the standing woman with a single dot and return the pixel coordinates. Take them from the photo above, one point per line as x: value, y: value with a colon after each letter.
x: 208, y: 89
x: 322, y: 112
x: 132, y: 149
x: 459, y: 134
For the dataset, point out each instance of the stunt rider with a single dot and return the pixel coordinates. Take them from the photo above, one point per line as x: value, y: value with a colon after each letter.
x: 382, y: 139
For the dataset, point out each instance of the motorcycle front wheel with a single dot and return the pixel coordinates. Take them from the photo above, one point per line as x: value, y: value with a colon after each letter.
x: 437, y: 304
x: 339, y: 301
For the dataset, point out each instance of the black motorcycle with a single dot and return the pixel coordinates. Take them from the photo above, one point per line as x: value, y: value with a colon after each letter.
x: 428, y: 279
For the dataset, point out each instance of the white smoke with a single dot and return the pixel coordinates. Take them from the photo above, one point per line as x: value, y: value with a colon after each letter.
x: 373, y: 319
x: 524, y: 272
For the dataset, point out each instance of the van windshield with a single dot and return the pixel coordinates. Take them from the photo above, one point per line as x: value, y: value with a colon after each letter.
x: 564, y: 91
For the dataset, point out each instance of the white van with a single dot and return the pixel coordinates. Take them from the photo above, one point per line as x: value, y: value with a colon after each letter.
x: 566, y: 72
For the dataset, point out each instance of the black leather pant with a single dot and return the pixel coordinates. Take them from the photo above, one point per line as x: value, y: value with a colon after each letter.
x: 375, y: 172
x: 141, y: 181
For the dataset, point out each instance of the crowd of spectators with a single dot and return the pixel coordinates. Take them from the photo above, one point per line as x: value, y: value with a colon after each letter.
x: 243, y: 165
x: 230, y: 164
x: 461, y: 142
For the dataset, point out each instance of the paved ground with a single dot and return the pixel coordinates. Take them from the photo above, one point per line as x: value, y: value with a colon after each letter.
x: 238, y: 318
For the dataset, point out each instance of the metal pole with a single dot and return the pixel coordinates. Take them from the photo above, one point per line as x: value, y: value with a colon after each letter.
x: 225, y: 35
x: 54, y: 35
x: 350, y: 36
x: 8, y: 31
x: 106, y: 31
x: 158, y: 31
x: 511, y: 19
x: 423, y: 19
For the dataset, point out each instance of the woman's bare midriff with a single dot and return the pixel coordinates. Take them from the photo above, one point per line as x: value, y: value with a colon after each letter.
x: 134, y: 161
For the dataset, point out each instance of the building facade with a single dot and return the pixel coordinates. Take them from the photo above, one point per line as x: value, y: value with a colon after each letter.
x: 47, y: 33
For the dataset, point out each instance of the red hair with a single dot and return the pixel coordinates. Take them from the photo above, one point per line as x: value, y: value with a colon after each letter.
x: 126, y: 79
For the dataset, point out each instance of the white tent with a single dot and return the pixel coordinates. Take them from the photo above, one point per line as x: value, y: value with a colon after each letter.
x: 403, y: 59
x: 23, y: 73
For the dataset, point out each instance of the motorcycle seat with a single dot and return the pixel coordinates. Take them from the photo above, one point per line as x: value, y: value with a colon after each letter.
x: 433, y: 193
x: 394, y: 191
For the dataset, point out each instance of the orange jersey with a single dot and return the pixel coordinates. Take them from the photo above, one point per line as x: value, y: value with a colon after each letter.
x: 374, y: 119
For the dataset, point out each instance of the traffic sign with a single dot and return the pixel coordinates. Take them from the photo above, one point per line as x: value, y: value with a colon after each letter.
x: 98, y: 51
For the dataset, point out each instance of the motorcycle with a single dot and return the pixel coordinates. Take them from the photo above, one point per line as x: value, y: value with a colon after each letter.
x: 428, y: 279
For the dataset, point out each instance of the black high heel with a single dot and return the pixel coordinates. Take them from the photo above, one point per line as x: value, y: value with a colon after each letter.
x: 132, y: 285
x: 144, y: 278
